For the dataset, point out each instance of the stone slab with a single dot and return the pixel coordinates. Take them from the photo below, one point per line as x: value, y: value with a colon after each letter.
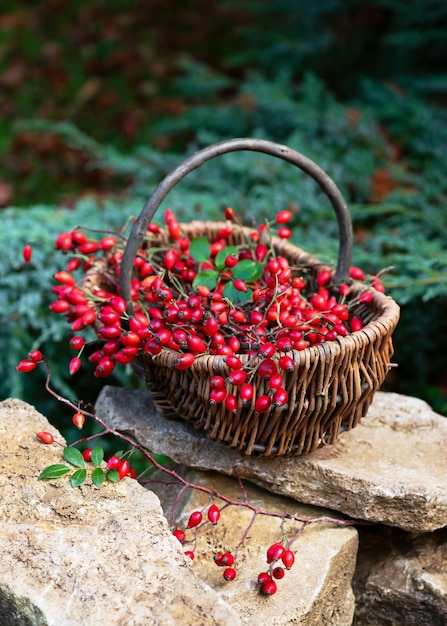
x: 401, y: 578
x: 391, y: 469
x: 87, y: 556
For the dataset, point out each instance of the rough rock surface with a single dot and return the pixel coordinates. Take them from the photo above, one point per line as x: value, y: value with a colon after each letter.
x: 315, y: 591
x: 391, y: 469
x: 401, y: 578
x: 73, y: 557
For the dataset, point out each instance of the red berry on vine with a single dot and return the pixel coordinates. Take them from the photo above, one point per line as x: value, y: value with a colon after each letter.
x: 323, y: 278
x: 87, y: 454
x: 27, y: 253
x: 60, y: 306
x: 284, y: 233
x: 229, y: 574
x: 246, y: 392
x: 275, y: 552
x: 113, y: 463
x: 123, y: 469
x: 366, y: 296
x: 286, y: 363
x: 278, y: 572
x: 237, y: 377
x: 229, y: 213
x: 264, y: 577
x: 76, y: 342
x: 234, y: 343
x: 184, y: 361
x: 275, y: 381
x: 64, y: 277
x: 64, y: 241
x: 356, y: 273
x: 74, y: 365
x: 231, y: 260
x: 260, y: 252
x: 233, y: 362
x: 210, y: 327
x: 288, y: 558
x: 283, y: 217
x: 179, y: 534
x: 196, y: 345
x: 319, y: 302
x: 356, y: 324
x: 268, y: 588
x: 89, y: 247
x: 240, y: 285
x: 284, y: 344
x: 378, y: 286
x: 280, y: 397
x: 262, y: 404
x: 267, y: 350
x: 107, y: 243
x: 231, y: 403
x: 174, y: 229
x: 118, y: 304
x: 45, y: 437
x: 189, y: 554
x: 35, y: 355
x: 344, y: 290
x: 224, y: 559
x: 213, y: 514
x: 217, y: 382
x: 26, y: 365
x: 217, y: 395
x: 194, y: 519
x: 78, y: 420
x: 267, y: 368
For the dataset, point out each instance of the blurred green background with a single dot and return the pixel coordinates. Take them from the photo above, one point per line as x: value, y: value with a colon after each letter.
x: 99, y: 100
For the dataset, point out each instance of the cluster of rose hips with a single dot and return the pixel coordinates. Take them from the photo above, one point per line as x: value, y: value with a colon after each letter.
x: 194, y: 296
x: 279, y: 559
x: 222, y: 559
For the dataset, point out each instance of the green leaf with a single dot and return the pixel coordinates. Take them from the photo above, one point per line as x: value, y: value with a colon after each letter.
x: 73, y: 456
x: 247, y: 270
x: 199, y: 249
x: 97, y: 456
x: 206, y: 278
x: 54, y: 471
x: 113, y: 476
x: 78, y: 477
x: 236, y: 296
x: 222, y: 255
x: 98, y: 476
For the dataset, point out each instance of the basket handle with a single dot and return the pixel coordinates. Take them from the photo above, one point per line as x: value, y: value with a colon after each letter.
x: 257, y: 145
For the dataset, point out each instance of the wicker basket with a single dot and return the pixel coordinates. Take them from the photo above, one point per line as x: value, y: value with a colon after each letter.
x: 332, y: 384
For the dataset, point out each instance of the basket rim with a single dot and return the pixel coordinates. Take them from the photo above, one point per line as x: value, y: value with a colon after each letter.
x: 383, y: 323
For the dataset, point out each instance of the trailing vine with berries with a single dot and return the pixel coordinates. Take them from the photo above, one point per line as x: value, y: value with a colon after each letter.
x: 90, y: 465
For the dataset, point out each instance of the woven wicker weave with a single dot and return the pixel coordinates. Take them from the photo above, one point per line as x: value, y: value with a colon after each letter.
x: 333, y: 383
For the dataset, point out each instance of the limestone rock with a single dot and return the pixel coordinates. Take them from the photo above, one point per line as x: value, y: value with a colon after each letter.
x: 390, y: 469
x: 401, y: 578
x: 87, y: 556
x: 316, y: 590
